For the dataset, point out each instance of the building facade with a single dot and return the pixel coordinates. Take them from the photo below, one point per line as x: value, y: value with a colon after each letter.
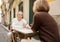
x: 11, y: 7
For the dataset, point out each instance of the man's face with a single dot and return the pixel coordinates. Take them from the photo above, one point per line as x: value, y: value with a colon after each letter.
x: 19, y: 15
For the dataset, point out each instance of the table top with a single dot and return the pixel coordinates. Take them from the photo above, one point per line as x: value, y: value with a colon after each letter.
x: 23, y: 30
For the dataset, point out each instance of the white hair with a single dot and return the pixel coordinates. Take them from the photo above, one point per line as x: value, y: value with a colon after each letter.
x: 20, y: 12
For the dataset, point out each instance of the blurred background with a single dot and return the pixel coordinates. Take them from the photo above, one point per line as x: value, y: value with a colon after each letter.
x: 9, y: 9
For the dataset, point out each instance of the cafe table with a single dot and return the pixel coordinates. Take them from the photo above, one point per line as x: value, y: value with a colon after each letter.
x: 28, y: 33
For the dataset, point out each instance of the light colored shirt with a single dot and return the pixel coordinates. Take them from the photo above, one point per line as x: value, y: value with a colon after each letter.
x: 18, y: 24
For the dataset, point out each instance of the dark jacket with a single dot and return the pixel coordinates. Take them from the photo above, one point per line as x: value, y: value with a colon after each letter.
x: 47, y: 27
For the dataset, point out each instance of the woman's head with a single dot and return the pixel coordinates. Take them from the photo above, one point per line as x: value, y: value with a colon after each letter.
x: 40, y: 5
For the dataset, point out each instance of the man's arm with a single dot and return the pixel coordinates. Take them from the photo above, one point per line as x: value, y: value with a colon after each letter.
x: 26, y: 25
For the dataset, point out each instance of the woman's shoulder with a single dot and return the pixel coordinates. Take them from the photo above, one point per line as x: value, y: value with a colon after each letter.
x: 37, y: 14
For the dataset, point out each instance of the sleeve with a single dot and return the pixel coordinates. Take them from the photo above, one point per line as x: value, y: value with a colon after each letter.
x: 24, y: 21
x: 26, y: 24
x: 35, y: 24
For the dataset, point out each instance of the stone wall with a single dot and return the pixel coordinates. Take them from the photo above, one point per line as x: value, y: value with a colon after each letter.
x: 57, y: 18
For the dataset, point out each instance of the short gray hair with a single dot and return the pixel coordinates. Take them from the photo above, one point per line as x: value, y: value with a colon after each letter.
x: 20, y: 12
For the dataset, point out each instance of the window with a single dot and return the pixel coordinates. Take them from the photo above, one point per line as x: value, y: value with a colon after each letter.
x: 21, y: 6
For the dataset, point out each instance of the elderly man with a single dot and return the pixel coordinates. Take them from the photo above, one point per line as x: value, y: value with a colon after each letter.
x: 19, y: 22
